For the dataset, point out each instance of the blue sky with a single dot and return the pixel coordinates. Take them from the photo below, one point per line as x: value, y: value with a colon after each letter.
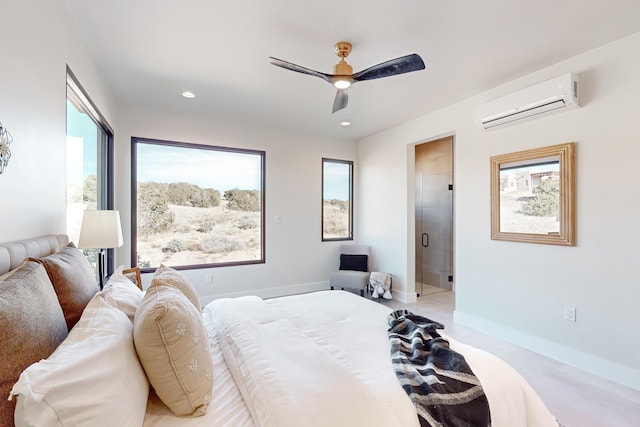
x: 336, y: 181
x: 205, y: 168
x: 80, y: 125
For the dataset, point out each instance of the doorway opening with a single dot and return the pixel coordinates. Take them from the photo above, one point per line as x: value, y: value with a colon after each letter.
x: 434, y: 216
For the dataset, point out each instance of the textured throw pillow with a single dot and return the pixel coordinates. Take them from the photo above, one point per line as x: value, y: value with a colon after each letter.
x: 354, y: 262
x: 73, y: 280
x: 173, y: 346
x: 122, y: 293
x: 31, y: 326
x: 93, y: 379
x: 169, y: 276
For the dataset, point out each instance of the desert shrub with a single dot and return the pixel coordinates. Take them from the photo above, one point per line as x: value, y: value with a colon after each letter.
x: 246, y: 223
x: 219, y: 245
x: 545, y: 200
x: 335, y: 226
x: 335, y: 220
x: 174, y: 246
x: 186, y: 194
x: 205, y: 198
x: 243, y: 200
x: 343, y: 205
x: 90, y: 189
x: 154, y: 215
x: 180, y: 193
x: 205, y: 226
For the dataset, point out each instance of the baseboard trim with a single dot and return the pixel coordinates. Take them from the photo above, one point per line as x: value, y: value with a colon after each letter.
x: 279, y: 291
x: 405, y: 297
x: 594, y: 365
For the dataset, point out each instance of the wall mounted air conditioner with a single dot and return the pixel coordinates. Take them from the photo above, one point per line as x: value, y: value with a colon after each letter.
x: 551, y: 96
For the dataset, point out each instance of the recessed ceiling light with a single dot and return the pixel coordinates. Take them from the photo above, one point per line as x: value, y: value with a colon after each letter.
x: 346, y: 123
x: 188, y: 94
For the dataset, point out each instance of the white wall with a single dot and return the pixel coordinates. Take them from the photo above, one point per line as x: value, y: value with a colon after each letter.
x: 516, y: 290
x: 37, y: 41
x: 296, y: 258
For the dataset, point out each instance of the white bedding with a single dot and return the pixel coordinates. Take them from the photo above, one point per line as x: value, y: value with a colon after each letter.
x: 323, y: 359
x: 297, y: 364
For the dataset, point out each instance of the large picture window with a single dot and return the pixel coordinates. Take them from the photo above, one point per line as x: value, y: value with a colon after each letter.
x: 196, y: 205
x: 89, y: 163
x: 337, y: 199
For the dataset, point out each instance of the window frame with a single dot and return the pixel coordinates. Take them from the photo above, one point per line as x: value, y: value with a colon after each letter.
x: 79, y: 97
x: 134, y: 201
x: 350, y: 184
x: 564, y: 156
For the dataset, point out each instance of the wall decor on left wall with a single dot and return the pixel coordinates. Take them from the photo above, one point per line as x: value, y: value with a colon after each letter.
x: 5, y: 140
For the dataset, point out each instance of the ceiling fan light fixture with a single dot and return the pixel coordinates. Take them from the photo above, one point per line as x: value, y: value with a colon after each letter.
x: 342, y: 83
x: 343, y: 76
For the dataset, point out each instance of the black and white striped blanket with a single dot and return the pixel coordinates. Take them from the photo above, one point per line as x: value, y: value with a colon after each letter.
x: 438, y: 380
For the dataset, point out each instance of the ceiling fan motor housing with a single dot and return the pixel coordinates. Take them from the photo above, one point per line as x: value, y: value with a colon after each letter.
x: 343, y: 49
x: 342, y: 71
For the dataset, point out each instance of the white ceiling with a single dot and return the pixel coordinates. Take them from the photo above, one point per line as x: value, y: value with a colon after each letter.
x: 150, y: 51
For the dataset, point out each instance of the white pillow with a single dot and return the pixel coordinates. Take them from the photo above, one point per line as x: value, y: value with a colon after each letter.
x: 94, y: 378
x: 122, y: 293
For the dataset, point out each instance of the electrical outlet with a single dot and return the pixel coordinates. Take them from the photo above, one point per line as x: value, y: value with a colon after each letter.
x: 570, y: 313
x: 208, y: 278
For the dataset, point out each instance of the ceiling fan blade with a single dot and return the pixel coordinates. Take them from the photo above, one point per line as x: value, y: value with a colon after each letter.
x: 297, y: 68
x: 404, y: 64
x: 341, y: 100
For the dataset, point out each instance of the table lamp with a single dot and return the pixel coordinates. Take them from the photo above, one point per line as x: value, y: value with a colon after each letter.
x: 101, y: 230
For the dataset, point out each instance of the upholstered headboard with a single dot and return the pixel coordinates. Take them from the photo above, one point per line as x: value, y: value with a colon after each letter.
x: 13, y: 253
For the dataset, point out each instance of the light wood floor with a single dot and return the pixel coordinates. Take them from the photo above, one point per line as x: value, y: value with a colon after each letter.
x: 575, y: 397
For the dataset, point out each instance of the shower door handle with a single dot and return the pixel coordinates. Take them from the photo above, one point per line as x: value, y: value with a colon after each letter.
x: 425, y: 245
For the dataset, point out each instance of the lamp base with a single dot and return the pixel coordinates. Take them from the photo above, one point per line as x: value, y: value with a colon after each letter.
x: 101, y: 268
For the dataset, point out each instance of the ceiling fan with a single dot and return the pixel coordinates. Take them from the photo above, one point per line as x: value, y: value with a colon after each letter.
x: 343, y: 75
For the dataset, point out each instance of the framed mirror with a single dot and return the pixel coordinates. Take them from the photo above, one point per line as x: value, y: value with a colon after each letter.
x: 532, y: 196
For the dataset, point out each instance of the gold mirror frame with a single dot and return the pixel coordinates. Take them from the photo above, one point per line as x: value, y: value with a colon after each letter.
x: 560, y: 157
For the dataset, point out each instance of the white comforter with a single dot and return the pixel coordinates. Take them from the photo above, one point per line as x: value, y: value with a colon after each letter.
x: 322, y: 359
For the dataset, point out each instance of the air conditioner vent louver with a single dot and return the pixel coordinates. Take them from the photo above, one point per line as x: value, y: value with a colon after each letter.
x: 557, y: 94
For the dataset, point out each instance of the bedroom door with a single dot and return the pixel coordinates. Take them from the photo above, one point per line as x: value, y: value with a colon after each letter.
x: 434, y: 215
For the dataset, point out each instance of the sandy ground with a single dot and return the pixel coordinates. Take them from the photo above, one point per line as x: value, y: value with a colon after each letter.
x: 193, y: 227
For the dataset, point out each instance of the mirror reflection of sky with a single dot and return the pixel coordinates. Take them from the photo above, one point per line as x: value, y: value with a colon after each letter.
x: 220, y: 170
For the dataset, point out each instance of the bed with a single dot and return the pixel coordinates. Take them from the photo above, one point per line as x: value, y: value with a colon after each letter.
x: 156, y: 359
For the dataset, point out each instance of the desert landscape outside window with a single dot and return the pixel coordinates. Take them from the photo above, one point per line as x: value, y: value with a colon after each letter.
x: 337, y: 199
x: 196, y: 205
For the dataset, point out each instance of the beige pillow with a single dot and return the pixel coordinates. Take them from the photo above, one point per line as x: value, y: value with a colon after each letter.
x: 173, y: 347
x: 73, y: 281
x: 31, y: 326
x: 169, y: 276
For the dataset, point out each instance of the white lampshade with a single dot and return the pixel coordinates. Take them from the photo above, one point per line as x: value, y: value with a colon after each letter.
x: 100, y: 229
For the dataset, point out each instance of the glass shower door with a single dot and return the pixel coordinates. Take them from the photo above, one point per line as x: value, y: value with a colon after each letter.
x: 434, y: 222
